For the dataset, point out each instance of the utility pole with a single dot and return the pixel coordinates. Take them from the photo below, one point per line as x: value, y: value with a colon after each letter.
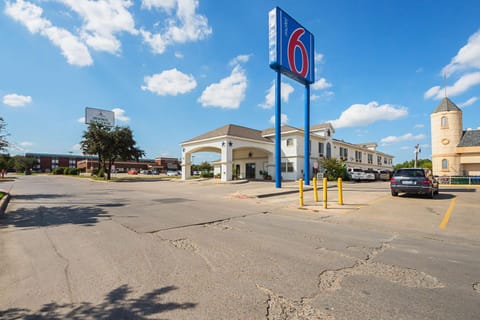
x: 417, y: 151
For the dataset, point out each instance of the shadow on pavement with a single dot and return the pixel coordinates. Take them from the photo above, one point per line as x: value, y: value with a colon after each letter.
x: 53, y: 216
x: 37, y: 196
x: 116, y: 305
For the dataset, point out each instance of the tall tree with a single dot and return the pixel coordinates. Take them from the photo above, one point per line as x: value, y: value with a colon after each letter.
x: 3, y: 135
x: 110, y: 144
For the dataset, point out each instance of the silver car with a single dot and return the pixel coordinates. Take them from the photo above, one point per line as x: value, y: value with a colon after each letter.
x: 413, y: 181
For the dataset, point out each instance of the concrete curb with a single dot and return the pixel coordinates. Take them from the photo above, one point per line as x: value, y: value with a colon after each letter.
x: 4, y: 203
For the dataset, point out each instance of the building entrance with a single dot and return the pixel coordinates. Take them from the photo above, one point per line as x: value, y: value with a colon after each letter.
x: 250, y: 171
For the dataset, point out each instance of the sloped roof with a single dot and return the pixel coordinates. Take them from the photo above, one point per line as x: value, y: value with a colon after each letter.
x: 470, y: 138
x: 232, y: 130
x: 446, y: 105
x: 284, y: 128
x: 326, y: 125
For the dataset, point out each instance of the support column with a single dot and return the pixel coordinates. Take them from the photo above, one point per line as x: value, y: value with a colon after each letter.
x: 226, y: 173
x: 306, y: 164
x: 278, y: 132
x: 186, y: 165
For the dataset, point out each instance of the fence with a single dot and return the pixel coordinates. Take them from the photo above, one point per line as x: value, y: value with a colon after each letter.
x: 459, y: 180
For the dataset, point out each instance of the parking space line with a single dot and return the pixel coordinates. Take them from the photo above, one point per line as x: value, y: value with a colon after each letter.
x: 447, y: 215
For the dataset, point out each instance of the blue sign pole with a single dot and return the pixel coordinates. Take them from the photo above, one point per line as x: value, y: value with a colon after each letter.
x: 278, y: 132
x: 306, y: 133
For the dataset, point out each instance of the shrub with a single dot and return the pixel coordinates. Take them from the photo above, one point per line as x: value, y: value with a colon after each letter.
x: 207, y: 174
x: 58, y: 170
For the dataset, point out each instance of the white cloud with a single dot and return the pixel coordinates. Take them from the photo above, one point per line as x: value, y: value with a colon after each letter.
x: 469, y: 102
x: 405, y: 137
x: 26, y: 144
x: 283, y: 119
x: 81, y: 120
x: 178, y: 55
x: 321, y: 84
x: 77, y: 147
x: 228, y: 93
x: 103, y: 19
x: 30, y: 16
x: 362, y: 115
x: 467, y: 57
x: 163, y: 4
x: 286, y: 91
x: 318, y: 58
x: 120, y: 115
x: 465, y: 66
x: 170, y: 82
x: 185, y: 26
x: 16, y: 100
x: 242, y: 58
x: 419, y: 126
x: 465, y: 82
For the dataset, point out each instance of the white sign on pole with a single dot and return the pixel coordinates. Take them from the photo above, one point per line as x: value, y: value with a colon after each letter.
x: 106, y: 117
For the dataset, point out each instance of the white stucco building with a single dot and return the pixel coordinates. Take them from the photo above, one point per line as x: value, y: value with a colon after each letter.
x: 246, y: 153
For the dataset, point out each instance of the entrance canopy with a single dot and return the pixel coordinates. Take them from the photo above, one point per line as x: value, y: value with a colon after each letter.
x: 241, y: 150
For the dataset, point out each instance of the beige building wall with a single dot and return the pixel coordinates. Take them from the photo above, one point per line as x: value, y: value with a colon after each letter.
x: 446, y: 132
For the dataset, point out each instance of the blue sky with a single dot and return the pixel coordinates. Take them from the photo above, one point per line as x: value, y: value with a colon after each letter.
x: 174, y: 69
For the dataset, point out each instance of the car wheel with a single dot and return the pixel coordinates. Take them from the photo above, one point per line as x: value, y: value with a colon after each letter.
x: 394, y: 193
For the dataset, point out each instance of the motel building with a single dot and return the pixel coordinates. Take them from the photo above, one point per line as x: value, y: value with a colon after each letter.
x: 247, y: 153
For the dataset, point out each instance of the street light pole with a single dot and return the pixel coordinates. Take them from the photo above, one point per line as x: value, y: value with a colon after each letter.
x: 417, y: 151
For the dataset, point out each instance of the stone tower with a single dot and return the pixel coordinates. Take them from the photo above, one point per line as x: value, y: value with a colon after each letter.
x: 446, y: 129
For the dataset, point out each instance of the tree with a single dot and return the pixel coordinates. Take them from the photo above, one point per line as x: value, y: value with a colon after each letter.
x: 23, y: 164
x: 3, y: 135
x: 6, y: 162
x: 334, y: 169
x: 110, y: 144
x: 421, y: 163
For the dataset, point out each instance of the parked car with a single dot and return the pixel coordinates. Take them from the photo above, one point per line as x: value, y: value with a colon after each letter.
x: 356, y: 174
x: 384, y: 175
x: 173, y: 173
x: 369, y: 175
x: 413, y: 181
x: 132, y: 172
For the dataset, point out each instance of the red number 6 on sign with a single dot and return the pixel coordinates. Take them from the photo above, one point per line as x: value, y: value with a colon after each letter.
x: 293, y: 43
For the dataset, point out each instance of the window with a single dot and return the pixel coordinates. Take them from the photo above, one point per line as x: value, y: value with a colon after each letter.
x: 329, y: 150
x: 287, y: 166
x: 321, y: 150
x: 358, y: 156
x: 444, y: 122
x: 343, y: 153
x: 370, y: 158
x: 444, y: 164
x: 379, y: 160
x: 72, y: 163
x: 54, y: 163
x: 289, y: 142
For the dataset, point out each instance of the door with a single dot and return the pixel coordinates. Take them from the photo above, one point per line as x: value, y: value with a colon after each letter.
x: 250, y: 171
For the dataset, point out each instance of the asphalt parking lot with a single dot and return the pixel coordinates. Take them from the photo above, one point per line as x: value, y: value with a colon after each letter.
x: 169, y: 249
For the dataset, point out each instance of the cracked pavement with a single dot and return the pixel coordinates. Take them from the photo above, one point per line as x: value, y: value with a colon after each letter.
x: 168, y: 250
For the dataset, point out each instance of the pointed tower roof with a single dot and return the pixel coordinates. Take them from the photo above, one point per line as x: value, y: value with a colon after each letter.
x: 446, y: 105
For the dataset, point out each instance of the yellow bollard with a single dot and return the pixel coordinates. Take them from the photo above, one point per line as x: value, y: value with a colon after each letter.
x: 300, y: 188
x: 315, y: 190
x: 324, y: 193
x: 340, y: 191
